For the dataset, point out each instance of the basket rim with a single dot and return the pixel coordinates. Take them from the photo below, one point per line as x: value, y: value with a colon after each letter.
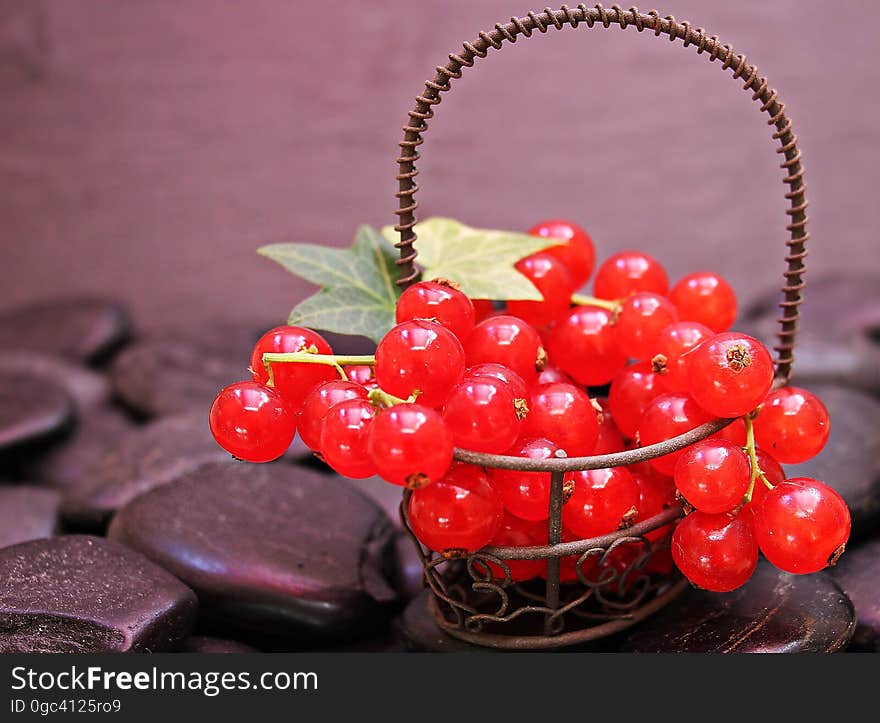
x: 600, y: 461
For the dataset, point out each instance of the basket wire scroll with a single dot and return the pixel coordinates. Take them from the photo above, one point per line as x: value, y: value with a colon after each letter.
x: 466, y: 600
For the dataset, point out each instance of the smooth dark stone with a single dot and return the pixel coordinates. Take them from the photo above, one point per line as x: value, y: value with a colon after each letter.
x: 78, y: 594
x: 772, y: 613
x: 838, y: 332
x: 273, y: 548
x: 27, y: 513
x: 168, y: 376
x: 409, y: 573
x: 202, y: 644
x: 87, y: 388
x: 63, y: 464
x: 850, y: 461
x: 86, y: 329
x: 138, y: 461
x: 858, y: 573
x: 384, y: 494
x: 31, y: 409
x: 418, y: 631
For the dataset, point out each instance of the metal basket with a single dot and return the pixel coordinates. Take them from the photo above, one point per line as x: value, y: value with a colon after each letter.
x: 466, y: 601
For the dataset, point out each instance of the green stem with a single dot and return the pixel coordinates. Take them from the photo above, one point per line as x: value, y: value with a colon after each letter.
x: 583, y: 300
x: 307, y: 357
x: 380, y: 396
x: 750, y: 450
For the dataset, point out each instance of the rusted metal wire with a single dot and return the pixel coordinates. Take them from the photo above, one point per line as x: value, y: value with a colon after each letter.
x: 468, y: 600
x: 597, y: 16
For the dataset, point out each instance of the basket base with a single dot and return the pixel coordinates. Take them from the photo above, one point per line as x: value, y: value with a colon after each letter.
x: 423, y: 631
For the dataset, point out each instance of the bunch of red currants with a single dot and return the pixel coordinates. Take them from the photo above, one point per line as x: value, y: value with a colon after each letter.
x: 455, y: 372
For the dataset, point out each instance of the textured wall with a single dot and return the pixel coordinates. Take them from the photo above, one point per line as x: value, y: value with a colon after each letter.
x: 146, y: 149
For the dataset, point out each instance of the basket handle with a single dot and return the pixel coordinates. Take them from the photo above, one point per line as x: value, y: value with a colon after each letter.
x: 710, y: 45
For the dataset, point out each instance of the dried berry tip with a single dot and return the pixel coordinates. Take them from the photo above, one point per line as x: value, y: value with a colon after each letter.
x: 738, y: 357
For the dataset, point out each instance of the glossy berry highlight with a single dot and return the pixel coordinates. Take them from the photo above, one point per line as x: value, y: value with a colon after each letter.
x: 483, y: 415
x: 715, y: 552
x: 564, y: 414
x: 729, y: 374
x: 584, y: 346
x: 410, y: 445
x: 420, y: 356
x: 252, y: 422
x: 292, y: 380
x: 459, y: 513
x: 707, y: 299
x: 509, y: 341
x: 802, y: 525
x: 630, y: 272
x: 792, y: 424
x: 550, y: 277
x: 440, y: 302
x: 344, y: 433
x: 573, y: 247
x: 713, y: 475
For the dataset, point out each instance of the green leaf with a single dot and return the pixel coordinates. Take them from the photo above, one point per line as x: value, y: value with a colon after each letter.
x: 358, y: 294
x: 481, y: 261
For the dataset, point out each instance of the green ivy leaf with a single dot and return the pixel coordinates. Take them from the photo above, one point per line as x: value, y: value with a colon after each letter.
x: 481, y: 261
x: 358, y: 294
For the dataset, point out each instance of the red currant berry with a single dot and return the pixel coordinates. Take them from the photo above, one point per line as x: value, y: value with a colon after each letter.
x: 362, y: 374
x: 772, y: 471
x: 792, y: 424
x: 410, y: 445
x: 734, y: 432
x: 656, y: 493
x: 641, y: 318
x: 252, y: 422
x: 583, y: 345
x: 439, y: 302
x: 610, y: 439
x: 665, y: 417
x: 420, y: 356
x: 318, y: 403
x: 551, y: 375
x: 482, y: 415
x: 802, y: 525
x: 563, y: 414
x: 483, y: 309
x: 713, y: 475
x: 551, y: 278
x: 715, y: 552
x: 603, y: 501
x: 628, y: 273
x: 292, y: 380
x: 575, y: 249
x: 514, y: 380
x: 706, y: 298
x: 526, y: 494
x: 344, y: 434
x: 516, y: 532
x: 632, y: 389
x: 459, y: 512
x: 729, y: 374
x: 508, y: 341
x: 671, y: 347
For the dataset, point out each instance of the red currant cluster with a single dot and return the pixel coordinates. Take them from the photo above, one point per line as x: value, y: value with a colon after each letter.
x: 458, y: 373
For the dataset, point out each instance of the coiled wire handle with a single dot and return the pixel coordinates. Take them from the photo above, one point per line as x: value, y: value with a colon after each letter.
x: 422, y: 112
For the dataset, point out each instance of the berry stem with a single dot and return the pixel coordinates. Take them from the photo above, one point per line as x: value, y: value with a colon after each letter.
x: 380, y: 396
x: 584, y: 300
x: 308, y: 357
x: 750, y: 450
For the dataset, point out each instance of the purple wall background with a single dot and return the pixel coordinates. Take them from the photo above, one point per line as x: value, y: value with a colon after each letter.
x: 146, y: 149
